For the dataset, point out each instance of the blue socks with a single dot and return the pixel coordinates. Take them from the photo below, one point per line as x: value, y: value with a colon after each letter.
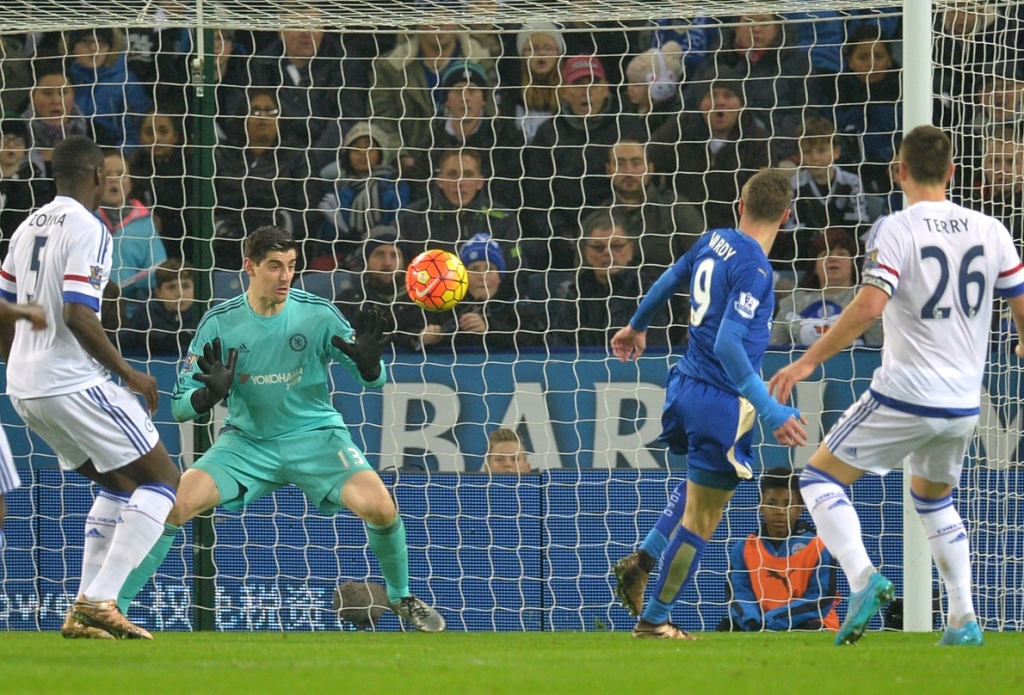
x: 658, y: 537
x: 680, y: 563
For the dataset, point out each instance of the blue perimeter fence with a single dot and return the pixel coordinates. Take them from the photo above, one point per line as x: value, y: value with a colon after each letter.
x: 503, y: 553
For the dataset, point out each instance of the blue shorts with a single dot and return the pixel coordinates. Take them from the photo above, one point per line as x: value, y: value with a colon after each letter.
x: 712, y: 427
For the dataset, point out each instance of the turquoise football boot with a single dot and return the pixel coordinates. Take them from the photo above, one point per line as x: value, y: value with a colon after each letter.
x: 863, y: 606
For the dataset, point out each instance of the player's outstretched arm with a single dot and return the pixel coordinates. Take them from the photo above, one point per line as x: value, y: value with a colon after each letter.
x: 83, y: 323
x: 782, y: 420
x: 629, y: 343
x: 863, y: 311
x: 367, y: 350
x: 216, y: 375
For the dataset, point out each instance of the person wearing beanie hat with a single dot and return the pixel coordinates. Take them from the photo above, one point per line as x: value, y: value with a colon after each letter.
x: 531, y: 97
x: 405, y: 95
x: 377, y: 281
x: 531, y: 33
x: 652, y: 84
x: 489, y: 316
x: 481, y: 247
x: 463, y: 71
x: 469, y: 122
x: 713, y: 150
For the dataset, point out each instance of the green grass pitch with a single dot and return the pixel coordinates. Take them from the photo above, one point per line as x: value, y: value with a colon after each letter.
x: 537, y: 662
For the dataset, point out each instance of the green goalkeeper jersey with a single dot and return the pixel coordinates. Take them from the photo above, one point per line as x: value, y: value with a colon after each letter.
x: 282, y: 381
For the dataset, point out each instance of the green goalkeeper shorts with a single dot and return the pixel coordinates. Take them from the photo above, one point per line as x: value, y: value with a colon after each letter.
x: 318, y: 462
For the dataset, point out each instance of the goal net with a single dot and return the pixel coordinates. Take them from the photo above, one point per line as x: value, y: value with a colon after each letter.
x: 569, y: 152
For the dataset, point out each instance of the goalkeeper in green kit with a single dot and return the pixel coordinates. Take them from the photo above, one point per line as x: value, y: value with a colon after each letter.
x: 281, y: 427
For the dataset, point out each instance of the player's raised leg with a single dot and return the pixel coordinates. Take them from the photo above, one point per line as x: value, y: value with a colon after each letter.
x: 632, y: 572
x: 702, y: 513
x: 822, y: 485
x: 365, y: 495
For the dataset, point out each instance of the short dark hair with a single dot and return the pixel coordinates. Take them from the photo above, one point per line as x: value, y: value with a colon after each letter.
x: 602, y: 218
x: 866, y: 33
x: 927, y: 152
x: 172, y: 270
x: 266, y: 240
x: 74, y: 157
x: 767, y: 195
x: 782, y: 478
x: 445, y: 155
x: 48, y: 65
x: 627, y: 141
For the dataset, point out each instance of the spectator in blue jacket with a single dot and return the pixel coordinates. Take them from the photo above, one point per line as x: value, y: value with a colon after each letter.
x: 106, y: 91
x: 783, y: 577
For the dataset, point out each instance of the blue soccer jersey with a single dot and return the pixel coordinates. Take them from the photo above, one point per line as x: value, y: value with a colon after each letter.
x: 729, y: 277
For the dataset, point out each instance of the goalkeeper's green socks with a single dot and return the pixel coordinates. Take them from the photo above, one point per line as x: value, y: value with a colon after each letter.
x: 388, y: 544
x: 150, y: 564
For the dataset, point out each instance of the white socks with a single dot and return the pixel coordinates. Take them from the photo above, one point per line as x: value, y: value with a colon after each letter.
x: 141, y: 524
x: 100, y: 525
x: 947, y: 540
x: 837, y: 524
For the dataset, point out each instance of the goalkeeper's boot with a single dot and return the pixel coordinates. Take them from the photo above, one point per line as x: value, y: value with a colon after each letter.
x: 665, y: 630
x: 75, y: 629
x: 107, y: 616
x: 863, y: 606
x: 967, y: 636
x: 631, y: 573
x: 418, y: 614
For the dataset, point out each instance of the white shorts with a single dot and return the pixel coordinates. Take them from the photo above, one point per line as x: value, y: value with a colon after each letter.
x: 876, y: 438
x: 9, y: 479
x: 104, y: 424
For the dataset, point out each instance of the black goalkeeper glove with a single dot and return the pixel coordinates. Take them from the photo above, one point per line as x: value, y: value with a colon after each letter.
x: 217, y: 376
x: 369, y: 345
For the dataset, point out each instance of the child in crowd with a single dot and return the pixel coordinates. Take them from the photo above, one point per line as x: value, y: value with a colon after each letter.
x: 137, y: 249
x: 167, y: 323
x: 506, y: 454
x: 824, y: 196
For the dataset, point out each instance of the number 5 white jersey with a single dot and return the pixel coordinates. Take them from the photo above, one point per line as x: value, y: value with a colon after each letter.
x: 61, y: 253
x: 939, y: 263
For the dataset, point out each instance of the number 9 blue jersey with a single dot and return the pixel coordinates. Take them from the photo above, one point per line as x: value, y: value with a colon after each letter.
x: 729, y: 278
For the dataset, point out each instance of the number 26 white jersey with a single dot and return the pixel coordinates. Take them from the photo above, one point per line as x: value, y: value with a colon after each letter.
x: 939, y: 263
x: 61, y: 253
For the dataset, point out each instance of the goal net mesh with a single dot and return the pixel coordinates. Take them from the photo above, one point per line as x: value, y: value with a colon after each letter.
x: 591, y: 143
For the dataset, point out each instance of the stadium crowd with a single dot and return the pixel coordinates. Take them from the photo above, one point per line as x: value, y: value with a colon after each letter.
x: 570, y: 163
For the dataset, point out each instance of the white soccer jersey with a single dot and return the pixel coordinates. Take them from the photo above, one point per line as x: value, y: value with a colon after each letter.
x: 939, y: 262
x: 61, y: 253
